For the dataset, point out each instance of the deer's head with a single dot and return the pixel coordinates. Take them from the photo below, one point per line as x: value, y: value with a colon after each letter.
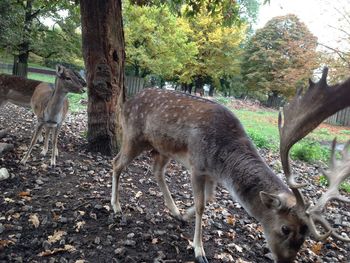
x: 70, y: 80
x: 292, y: 218
x: 284, y: 230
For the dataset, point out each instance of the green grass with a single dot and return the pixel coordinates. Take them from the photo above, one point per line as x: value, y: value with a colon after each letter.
x: 42, y: 77
x: 74, y: 101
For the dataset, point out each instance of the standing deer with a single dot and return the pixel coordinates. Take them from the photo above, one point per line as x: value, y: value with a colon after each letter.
x: 211, y: 142
x: 50, y: 105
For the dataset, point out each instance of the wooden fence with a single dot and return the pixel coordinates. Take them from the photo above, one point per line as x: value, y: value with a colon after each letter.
x: 340, y: 118
x: 134, y: 85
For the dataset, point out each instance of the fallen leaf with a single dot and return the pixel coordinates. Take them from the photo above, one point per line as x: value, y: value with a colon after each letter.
x: 226, y: 256
x: 154, y: 240
x: 16, y: 215
x: 316, y: 248
x: 9, y: 200
x: 230, y: 220
x: 21, y: 194
x: 59, y: 205
x: 138, y: 194
x: 5, y: 243
x: 81, y: 212
x: 80, y: 261
x: 66, y: 248
x: 57, y: 235
x: 79, y: 225
x: 220, y: 233
x: 107, y: 207
x: 33, y: 218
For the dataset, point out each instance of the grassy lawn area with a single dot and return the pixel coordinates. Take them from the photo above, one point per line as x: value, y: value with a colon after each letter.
x: 42, y: 77
x: 262, y: 128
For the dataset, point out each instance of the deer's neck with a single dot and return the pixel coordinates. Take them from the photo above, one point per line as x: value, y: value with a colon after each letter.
x: 245, y: 176
x: 53, y: 111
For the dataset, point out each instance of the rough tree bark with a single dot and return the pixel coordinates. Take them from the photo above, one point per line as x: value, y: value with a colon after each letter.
x: 104, y: 55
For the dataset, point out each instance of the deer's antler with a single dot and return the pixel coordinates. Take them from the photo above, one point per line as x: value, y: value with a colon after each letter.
x: 300, y: 117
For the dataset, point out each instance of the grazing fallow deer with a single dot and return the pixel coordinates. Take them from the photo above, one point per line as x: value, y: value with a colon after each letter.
x: 211, y: 142
x: 50, y: 105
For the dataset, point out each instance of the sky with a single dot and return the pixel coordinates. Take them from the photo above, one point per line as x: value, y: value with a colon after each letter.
x: 319, y: 16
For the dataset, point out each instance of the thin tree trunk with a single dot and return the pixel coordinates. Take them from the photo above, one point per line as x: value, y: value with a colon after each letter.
x: 104, y: 56
x: 20, y: 65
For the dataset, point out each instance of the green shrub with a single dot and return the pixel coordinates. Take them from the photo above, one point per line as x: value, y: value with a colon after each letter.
x: 347, y: 132
x: 309, y: 151
x: 324, y: 182
x: 260, y: 140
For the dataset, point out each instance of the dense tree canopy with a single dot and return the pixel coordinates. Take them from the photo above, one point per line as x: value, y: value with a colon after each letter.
x: 280, y: 57
x: 23, y: 29
x: 156, y: 41
x: 218, y: 48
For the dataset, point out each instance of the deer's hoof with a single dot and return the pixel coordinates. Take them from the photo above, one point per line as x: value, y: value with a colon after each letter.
x: 202, y: 259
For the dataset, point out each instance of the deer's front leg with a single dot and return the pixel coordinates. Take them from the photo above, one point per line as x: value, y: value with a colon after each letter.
x: 160, y: 162
x: 198, y: 185
x: 124, y: 157
x: 210, y: 186
x: 34, y: 139
x: 55, y: 133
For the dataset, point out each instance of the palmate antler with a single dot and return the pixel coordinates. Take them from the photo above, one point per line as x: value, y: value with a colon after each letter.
x: 300, y: 117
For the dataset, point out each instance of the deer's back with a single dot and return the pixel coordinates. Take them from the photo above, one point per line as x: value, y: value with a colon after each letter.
x: 16, y: 83
x: 182, y: 126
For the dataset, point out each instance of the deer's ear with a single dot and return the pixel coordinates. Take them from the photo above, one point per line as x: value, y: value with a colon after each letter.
x: 271, y: 200
x: 59, y: 70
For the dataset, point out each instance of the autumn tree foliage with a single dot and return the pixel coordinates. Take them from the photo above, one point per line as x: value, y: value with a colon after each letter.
x: 280, y: 57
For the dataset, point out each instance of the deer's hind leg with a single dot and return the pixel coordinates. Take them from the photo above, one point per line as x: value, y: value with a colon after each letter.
x: 46, y: 141
x: 160, y: 162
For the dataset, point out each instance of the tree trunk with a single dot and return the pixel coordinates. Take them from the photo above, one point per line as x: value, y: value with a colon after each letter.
x: 104, y: 55
x: 20, y: 65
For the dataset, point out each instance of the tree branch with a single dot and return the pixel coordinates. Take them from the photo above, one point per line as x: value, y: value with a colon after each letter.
x: 338, y: 52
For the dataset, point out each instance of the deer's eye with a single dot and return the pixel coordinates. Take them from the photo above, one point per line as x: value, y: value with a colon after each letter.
x: 285, y: 230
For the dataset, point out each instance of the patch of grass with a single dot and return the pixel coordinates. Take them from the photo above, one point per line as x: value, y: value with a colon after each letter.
x: 310, y: 152
x: 42, y: 77
x: 344, y: 186
x: 262, y: 140
x: 347, y: 132
x: 74, y: 101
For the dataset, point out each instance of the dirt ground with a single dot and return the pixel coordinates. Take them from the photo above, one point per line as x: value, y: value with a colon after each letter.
x: 63, y: 214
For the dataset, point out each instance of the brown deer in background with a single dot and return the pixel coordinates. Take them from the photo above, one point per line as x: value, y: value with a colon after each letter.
x: 211, y: 142
x: 50, y: 105
x: 17, y: 90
